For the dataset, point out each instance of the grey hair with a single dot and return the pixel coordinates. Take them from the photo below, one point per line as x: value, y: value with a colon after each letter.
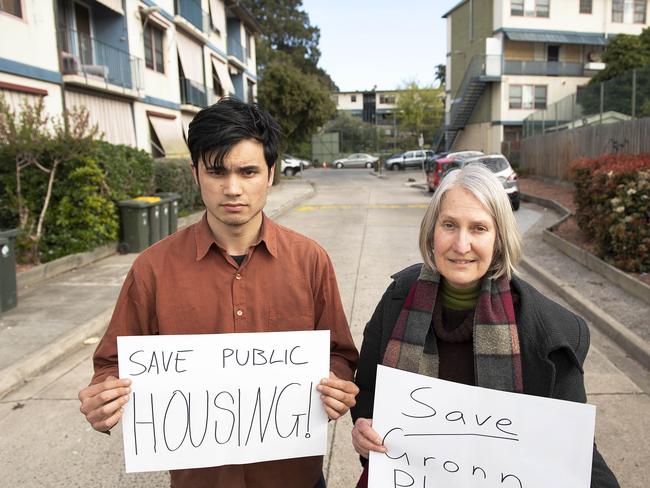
x: 482, y: 183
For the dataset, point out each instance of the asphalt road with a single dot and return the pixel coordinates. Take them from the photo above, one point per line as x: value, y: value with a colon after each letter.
x: 369, y: 226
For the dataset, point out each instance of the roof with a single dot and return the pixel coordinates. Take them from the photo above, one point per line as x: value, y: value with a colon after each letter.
x: 558, y: 37
x: 454, y: 8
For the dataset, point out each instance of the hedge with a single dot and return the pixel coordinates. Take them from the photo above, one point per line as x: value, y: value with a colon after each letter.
x: 175, y: 174
x: 613, y: 207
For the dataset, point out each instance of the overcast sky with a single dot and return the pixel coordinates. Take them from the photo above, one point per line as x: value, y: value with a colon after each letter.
x: 380, y: 42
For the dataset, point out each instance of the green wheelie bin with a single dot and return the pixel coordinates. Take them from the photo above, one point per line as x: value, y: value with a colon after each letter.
x: 8, y: 295
x: 172, y: 199
x: 134, y: 225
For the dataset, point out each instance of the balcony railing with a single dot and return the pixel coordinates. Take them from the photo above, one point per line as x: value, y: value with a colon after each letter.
x: 236, y: 49
x: 191, y: 11
x: 86, y: 56
x: 543, y: 68
x: 193, y: 93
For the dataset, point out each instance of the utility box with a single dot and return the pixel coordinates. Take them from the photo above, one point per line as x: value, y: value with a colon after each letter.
x: 172, y: 199
x: 8, y: 295
x: 134, y: 225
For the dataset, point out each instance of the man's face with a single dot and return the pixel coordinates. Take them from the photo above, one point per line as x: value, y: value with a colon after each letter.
x: 235, y: 194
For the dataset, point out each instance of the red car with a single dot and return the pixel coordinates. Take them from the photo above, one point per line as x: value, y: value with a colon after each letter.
x: 437, y: 166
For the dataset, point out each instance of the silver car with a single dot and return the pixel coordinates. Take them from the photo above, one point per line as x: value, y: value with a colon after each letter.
x: 499, y: 165
x: 357, y: 160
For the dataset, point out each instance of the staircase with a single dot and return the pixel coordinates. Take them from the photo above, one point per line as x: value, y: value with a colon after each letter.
x: 476, y: 79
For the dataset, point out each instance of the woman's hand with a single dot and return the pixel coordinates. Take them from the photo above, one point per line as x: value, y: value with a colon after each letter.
x: 365, y: 439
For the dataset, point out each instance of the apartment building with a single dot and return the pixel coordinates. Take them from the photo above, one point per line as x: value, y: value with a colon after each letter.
x: 141, y: 68
x: 508, y: 58
x: 373, y: 107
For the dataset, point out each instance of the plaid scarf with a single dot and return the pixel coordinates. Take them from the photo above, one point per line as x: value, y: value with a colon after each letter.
x: 497, y: 357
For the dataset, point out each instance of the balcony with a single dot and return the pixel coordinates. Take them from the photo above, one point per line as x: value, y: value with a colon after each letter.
x: 191, y: 11
x: 193, y: 93
x: 236, y: 49
x: 543, y: 68
x: 97, y: 62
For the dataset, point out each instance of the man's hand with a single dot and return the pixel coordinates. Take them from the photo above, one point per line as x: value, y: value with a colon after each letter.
x: 364, y: 438
x: 338, y: 395
x: 102, y: 403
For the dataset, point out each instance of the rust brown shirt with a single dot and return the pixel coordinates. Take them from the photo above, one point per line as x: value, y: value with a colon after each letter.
x: 187, y: 284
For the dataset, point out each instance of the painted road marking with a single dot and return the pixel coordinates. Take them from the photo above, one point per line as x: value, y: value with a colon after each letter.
x: 313, y: 208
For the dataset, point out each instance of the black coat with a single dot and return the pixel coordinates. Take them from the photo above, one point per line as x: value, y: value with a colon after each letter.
x: 553, y: 341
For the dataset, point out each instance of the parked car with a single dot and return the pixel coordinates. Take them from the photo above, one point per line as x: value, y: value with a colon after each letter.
x: 437, y: 166
x: 499, y: 165
x: 408, y: 159
x: 357, y: 160
x: 290, y: 165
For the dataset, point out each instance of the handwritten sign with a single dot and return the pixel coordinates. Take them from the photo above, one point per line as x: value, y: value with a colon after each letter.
x: 215, y: 399
x: 441, y: 433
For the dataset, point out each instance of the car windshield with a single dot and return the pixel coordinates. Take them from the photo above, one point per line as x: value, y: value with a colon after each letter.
x: 495, y: 164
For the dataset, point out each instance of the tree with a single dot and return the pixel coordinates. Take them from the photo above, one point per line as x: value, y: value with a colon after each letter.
x: 299, y: 101
x: 623, y: 53
x: 441, y: 74
x: 419, y: 110
x: 292, y: 87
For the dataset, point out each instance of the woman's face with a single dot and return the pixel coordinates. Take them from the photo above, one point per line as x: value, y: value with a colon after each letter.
x: 463, y: 239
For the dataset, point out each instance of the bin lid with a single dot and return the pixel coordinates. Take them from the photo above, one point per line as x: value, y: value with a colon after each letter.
x: 9, y: 233
x: 149, y: 199
x: 3, y: 241
x: 134, y: 204
x: 168, y: 196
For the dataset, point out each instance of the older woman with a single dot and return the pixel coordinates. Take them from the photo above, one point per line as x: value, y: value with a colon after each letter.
x: 435, y: 318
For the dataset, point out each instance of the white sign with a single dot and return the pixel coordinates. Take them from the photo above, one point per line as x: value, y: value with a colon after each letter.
x: 440, y: 433
x: 215, y: 399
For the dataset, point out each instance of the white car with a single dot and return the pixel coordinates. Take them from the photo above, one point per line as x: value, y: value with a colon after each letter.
x: 290, y: 165
x: 500, y: 166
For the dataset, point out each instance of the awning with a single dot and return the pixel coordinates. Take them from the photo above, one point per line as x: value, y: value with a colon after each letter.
x: 215, y: 12
x: 555, y: 37
x: 112, y: 116
x: 170, y: 135
x: 224, y: 76
x: 114, y: 5
x: 191, y: 55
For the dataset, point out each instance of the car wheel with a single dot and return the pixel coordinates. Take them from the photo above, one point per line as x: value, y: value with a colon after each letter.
x: 339, y: 165
x: 515, y: 202
x: 369, y: 164
x: 395, y: 166
x: 289, y: 171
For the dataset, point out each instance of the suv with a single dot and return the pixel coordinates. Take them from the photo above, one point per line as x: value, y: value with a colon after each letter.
x: 290, y: 165
x: 499, y: 165
x: 437, y: 166
x: 413, y: 159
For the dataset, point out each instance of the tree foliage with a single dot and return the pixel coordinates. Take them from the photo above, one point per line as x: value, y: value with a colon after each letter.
x: 292, y: 87
x: 419, y: 110
x: 624, y: 52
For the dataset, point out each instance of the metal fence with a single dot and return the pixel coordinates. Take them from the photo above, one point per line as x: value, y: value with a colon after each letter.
x: 625, y: 97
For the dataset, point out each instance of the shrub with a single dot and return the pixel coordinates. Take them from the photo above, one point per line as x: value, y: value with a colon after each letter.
x: 175, y: 174
x: 613, y: 207
x: 128, y: 171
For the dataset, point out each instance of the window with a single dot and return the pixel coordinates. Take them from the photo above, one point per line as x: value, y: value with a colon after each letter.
x: 13, y: 7
x: 387, y: 99
x: 153, y: 48
x: 629, y: 11
x: 586, y: 6
x: 527, y: 96
x: 216, y: 84
x: 250, y: 94
x: 249, y: 42
x: 529, y: 8
x: 353, y: 98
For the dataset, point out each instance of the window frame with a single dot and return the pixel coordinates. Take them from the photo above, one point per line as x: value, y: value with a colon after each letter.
x: 539, y: 6
x: 531, y: 102
x: 21, y: 11
x: 149, y: 34
x: 586, y: 7
x: 618, y: 14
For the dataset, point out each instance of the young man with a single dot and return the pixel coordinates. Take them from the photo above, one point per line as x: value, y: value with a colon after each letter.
x: 234, y: 271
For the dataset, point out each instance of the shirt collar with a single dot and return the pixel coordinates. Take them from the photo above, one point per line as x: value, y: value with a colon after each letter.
x: 205, y: 239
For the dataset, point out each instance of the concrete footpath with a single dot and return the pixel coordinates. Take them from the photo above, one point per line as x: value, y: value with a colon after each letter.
x: 55, y: 316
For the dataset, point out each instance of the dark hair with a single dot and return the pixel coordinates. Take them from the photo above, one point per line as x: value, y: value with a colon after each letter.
x: 216, y: 129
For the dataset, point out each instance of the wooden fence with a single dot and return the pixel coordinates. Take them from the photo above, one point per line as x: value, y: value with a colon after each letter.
x: 550, y: 155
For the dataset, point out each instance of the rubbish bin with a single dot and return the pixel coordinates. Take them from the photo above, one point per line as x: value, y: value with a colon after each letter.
x: 172, y: 198
x: 8, y: 296
x: 134, y: 225
x: 153, y: 208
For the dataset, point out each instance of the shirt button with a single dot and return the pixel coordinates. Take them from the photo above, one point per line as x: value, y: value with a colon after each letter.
x: 239, y: 313
x: 238, y: 276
